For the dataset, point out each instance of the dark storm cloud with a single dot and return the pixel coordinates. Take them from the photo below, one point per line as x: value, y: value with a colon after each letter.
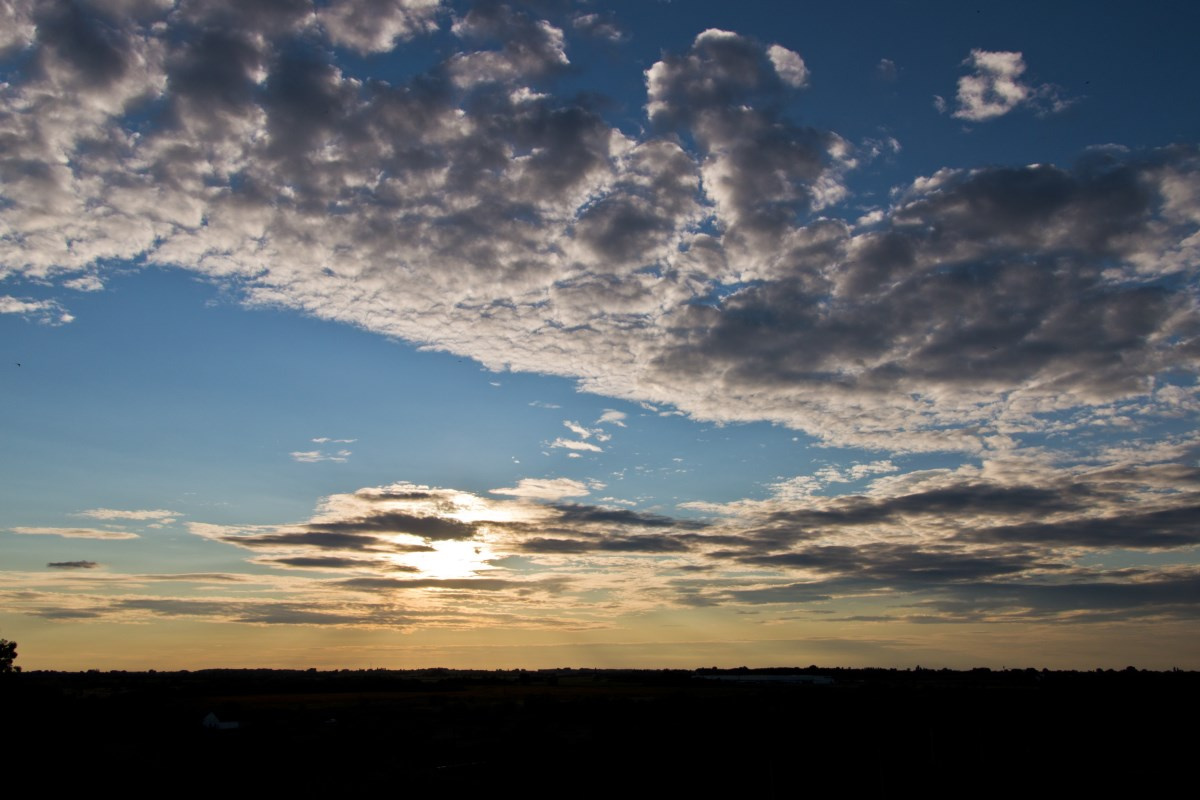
x: 72, y: 565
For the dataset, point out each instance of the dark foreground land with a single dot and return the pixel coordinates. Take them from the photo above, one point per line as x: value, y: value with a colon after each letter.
x: 593, y: 733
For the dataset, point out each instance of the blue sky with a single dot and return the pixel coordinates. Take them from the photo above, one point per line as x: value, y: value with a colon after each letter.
x: 410, y: 332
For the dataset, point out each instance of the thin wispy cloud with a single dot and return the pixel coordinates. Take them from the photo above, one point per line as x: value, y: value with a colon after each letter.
x: 151, y: 515
x: 316, y: 456
x: 75, y: 533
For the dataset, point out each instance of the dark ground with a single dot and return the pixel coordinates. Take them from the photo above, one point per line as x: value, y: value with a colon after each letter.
x: 590, y: 733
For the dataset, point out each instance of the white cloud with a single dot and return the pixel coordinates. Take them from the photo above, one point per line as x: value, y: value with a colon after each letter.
x: 546, y: 489
x: 579, y: 430
x: 375, y: 26
x: 995, y: 88
x: 789, y: 65
x: 47, y: 312
x: 612, y: 417
x: 155, y: 514
x: 571, y: 444
x: 84, y: 283
x: 76, y: 533
x: 314, y: 456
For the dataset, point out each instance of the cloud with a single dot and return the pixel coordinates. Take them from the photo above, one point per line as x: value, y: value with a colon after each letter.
x: 546, y: 488
x: 995, y: 88
x: 571, y: 444
x: 154, y: 514
x: 72, y: 565
x: 375, y: 26
x: 1017, y: 536
x: 600, y: 26
x: 578, y: 430
x: 531, y: 48
x: 315, y: 456
x: 47, y: 312
x: 611, y: 417
x: 700, y: 265
x: 75, y: 533
x: 789, y: 66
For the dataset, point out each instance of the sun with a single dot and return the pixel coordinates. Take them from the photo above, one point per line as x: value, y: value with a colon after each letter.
x: 452, y: 559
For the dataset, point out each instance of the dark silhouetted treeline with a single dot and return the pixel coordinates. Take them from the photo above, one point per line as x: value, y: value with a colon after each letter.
x: 585, y: 732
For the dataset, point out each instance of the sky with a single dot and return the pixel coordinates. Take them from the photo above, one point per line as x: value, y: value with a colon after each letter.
x: 409, y: 333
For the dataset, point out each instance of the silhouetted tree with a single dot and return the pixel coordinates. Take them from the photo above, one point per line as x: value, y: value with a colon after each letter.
x: 8, y: 654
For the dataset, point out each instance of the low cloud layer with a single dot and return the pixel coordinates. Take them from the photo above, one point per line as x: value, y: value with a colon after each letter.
x: 1016, y: 538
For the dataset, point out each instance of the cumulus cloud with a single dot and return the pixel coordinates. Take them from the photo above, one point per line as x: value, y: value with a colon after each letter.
x: 789, y: 66
x: 701, y: 266
x: 375, y: 26
x: 994, y: 88
x: 47, y: 312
